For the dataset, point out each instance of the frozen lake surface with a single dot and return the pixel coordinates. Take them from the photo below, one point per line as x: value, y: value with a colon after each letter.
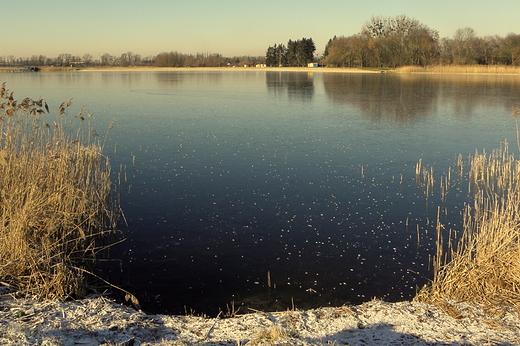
x: 280, y: 189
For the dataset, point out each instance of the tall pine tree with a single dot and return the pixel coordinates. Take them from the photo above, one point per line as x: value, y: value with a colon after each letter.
x: 297, y: 53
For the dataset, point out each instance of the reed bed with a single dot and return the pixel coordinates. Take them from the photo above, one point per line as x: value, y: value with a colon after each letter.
x: 57, y: 211
x: 482, y: 266
x: 460, y: 69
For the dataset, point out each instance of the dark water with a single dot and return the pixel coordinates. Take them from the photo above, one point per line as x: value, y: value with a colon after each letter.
x: 272, y: 189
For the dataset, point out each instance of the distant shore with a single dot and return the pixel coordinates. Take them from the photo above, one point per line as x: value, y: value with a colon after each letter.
x: 447, y: 69
x: 191, y: 69
x: 438, y: 69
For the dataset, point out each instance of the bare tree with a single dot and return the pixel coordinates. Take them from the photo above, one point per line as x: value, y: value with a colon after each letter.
x: 87, y: 59
x: 465, y: 46
x: 213, y: 60
x: 136, y: 59
x: 191, y: 61
x: 107, y: 59
x: 339, y: 52
x: 124, y: 59
x: 64, y: 59
x: 510, y: 49
x: 396, y: 41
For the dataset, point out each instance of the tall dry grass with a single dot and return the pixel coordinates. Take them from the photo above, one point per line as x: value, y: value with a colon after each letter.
x: 483, y: 266
x: 57, y: 215
x: 460, y: 69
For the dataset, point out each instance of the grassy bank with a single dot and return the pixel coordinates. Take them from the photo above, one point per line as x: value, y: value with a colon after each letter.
x: 461, y: 69
x: 57, y: 68
x: 56, y: 211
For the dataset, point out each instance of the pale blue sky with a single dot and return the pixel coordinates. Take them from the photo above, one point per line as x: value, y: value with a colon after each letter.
x: 149, y: 27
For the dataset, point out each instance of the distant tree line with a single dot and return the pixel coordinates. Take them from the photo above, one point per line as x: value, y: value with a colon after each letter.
x: 296, y: 53
x: 62, y: 60
x: 176, y: 59
x: 398, y: 41
x: 382, y: 42
x: 172, y: 59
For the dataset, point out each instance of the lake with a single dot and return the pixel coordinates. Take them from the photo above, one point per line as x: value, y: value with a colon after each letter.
x: 272, y: 190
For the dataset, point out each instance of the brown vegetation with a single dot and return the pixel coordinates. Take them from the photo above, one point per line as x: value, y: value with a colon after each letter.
x: 399, y: 41
x: 466, y: 69
x: 482, y: 266
x: 56, y: 211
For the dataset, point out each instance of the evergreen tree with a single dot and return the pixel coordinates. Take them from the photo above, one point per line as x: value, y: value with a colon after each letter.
x: 291, y: 53
x: 297, y: 53
x: 281, y: 55
x: 270, y: 56
x: 308, y: 50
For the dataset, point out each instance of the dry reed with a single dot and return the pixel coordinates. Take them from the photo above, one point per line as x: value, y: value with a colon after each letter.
x: 57, y: 215
x: 273, y: 334
x: 482, y: 266
x: 460, y: 69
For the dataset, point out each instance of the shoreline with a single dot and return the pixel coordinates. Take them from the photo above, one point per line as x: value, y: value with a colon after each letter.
x: 405, y: 70
x: 99, y: 321
x: 230, y: 69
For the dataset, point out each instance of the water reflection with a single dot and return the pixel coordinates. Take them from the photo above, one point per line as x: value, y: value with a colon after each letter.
x: 297, y: 86
x: 307, y: 177
x: 383, y: 98
x: 129, y: 79
x: 168, y: 80
x: 466, y: 94
x: 406, y: 98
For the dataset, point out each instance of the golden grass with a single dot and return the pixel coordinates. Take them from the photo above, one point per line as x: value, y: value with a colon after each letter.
x: 483, y: 266
x: 461, y: 69
x: 56, y: 68
x: 56, y: 211
x: 273, y: 334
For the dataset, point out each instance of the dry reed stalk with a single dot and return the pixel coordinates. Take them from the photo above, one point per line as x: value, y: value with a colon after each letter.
x: 56, y: 210
x: 515, y: 115
x: 273, y: 334
x: 483, y: 264
x: 425, y: 180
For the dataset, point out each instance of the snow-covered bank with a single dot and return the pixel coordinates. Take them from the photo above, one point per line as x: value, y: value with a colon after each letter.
x: 99, y: 321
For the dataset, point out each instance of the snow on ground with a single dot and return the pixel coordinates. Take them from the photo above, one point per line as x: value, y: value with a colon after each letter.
x: 99, y: 321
